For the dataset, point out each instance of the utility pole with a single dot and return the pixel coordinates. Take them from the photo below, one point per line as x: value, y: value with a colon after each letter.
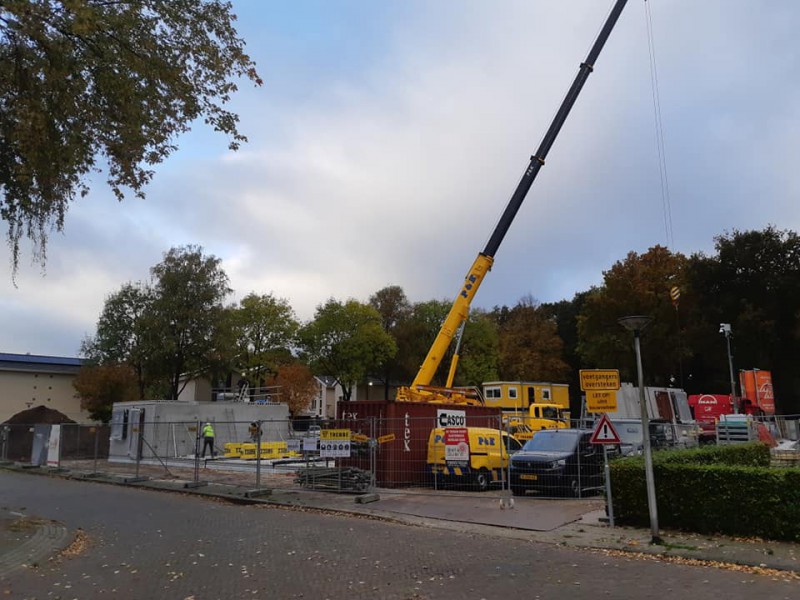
x: 725, y: 328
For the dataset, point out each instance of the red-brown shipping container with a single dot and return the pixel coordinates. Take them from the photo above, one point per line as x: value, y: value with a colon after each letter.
x: 402, y: 459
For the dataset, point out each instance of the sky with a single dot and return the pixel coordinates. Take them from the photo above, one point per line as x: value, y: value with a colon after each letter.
x: 388, y: 137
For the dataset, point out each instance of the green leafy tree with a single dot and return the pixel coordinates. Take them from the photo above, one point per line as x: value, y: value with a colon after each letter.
x: 414, y: 338
x: 187, y: 324
x: 395, y: 310
x: 753, y: 283
x: 530, y: 348
x: 346, y: 341
x: 85, y: 83
x: 99, y: 386
x: 638, y: 285
x: 265, y: 328
x: 479, y: 353
x: 565, y: 314
x: 120, y: 337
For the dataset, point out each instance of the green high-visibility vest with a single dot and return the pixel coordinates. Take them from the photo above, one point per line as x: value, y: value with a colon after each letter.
x: 208, y: 431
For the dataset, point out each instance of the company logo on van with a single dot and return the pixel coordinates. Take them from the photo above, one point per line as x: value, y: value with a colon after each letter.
x: 707, y: 399
x: 485, y: 441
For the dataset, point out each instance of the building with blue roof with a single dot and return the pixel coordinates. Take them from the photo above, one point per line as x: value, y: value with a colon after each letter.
x: 29, y: 380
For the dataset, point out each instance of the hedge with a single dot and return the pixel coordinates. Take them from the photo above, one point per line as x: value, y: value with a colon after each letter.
x: 723, y: 489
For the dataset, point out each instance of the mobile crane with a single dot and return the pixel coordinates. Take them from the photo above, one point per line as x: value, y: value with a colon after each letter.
x: 420, y: 389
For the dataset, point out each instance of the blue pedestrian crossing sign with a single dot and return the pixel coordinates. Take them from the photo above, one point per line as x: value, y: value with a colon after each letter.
x: 604, y: 432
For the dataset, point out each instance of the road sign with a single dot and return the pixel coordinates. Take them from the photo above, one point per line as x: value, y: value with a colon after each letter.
x: 601, y: 401
x: 604, y: 432
x: 599, y: 379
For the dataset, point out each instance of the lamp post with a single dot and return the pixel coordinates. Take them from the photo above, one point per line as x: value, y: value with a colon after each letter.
x: 725, y: 328
x: 636, y: 324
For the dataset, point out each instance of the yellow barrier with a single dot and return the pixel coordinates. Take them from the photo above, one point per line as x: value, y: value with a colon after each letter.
x: 233, y: 450
x: 269, y: 451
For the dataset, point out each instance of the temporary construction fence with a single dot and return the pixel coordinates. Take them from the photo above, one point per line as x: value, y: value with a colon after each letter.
x: 399, y: 455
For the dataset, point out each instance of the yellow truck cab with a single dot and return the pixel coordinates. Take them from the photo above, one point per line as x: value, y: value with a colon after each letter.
x: 489, y: 450
x: 540, y: 416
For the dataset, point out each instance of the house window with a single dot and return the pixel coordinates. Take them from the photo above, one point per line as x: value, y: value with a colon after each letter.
x: 545, y: 395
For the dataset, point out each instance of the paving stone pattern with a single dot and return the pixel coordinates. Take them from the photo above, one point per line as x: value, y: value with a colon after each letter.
x: 145, y: 544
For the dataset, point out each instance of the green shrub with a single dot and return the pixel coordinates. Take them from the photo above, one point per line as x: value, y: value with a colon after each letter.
x: 726, y: 489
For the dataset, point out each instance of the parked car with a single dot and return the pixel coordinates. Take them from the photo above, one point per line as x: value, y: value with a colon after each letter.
x: 558, y: 462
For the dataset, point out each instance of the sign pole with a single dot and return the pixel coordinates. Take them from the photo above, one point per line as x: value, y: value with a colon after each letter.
x: 610, y: 502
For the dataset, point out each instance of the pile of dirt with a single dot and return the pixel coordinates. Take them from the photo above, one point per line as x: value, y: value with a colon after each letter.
x: 39, y: 415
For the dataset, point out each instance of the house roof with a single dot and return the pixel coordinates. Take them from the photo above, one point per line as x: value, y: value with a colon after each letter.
x: 39, y: 364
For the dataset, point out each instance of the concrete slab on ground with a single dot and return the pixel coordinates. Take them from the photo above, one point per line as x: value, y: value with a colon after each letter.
x: 531, y: 514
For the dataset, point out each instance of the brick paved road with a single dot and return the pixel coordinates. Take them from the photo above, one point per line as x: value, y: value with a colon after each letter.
x: 152, y: 545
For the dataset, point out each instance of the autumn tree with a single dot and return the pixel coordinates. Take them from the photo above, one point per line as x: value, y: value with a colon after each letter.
x: 530, y: 349
x: 297, y: 387
x: 638, y: 285
x: 87, y: 83
x: 100, y: 386
x: 346, y: 341
x: 265, y: 328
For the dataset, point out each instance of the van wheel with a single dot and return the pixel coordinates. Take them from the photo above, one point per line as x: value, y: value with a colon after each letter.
x: 574, y: 488
x: 482, y: 480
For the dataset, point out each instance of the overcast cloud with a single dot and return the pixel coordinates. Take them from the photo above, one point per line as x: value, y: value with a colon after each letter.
x: 388, y: 137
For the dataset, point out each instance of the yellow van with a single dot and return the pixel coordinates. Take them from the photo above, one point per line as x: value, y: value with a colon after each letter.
x: 488, y: 456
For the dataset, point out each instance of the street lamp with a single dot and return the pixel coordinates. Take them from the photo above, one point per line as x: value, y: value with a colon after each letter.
x: 637, y: 324
x: 725, y: 328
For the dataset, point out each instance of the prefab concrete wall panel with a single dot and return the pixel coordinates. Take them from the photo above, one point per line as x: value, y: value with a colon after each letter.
x: 169, y: 428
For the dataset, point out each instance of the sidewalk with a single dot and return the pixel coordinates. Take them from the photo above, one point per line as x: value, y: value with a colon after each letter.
x: 569, y: 523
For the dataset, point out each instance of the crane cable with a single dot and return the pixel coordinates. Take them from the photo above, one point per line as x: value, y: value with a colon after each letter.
x: 659, y: 127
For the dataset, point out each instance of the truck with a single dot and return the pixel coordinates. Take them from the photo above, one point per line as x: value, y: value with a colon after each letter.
x: 529, y: 406
x: 757, y: 399
x: 667, y: 406
x: 452, y: 328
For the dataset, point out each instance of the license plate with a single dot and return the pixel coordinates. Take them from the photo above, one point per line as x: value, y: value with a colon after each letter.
x: 529, y: 477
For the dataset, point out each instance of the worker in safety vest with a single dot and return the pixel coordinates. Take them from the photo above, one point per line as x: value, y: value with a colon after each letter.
x: 208, y: 439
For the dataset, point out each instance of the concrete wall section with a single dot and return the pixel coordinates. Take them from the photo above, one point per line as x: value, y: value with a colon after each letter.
x: 169, y: 428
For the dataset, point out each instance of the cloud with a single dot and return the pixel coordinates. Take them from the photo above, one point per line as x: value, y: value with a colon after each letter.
x: 385, y: 156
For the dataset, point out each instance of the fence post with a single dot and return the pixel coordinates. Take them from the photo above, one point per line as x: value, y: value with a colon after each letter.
x: 96, y: 448
x: 435, y: 464
x: 4, y: 435
x: 140, y: 435
x: 258, y: 456
x: 197, y: 453
x: 373, y: 449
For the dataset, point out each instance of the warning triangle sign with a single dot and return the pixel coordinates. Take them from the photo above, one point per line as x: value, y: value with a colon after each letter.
x: 604, y: 432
